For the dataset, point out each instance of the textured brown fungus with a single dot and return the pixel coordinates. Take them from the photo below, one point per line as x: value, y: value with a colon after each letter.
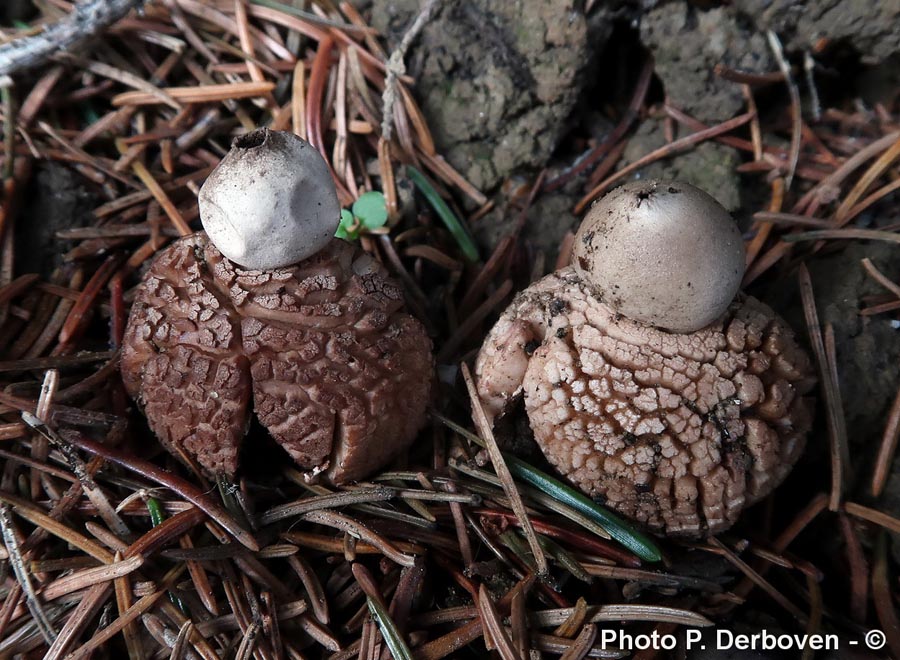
x: 678, y: 432
x: 337, y: 372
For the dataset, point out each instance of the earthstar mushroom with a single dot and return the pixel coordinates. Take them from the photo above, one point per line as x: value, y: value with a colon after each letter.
x: 677, y: 430
x: 270, y: 202
x: 666, y: 254
x: 336, y: 370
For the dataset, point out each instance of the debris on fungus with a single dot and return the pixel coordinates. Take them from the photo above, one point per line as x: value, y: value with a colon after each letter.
x: 678, y: 431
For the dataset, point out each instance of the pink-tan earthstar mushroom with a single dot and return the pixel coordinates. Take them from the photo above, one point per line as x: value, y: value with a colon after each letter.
x: 647, y: 383
x: 305, y: 329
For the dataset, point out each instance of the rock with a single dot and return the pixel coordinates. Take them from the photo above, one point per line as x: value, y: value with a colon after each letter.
x: 687, y: 43
x: 872, y: 27
x: 496, y: 80
x: 710, y: 166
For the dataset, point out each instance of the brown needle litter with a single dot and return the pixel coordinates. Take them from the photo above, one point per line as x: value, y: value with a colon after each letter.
x: 111, y: 547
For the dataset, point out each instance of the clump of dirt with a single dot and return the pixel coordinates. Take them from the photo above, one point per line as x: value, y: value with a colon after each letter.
x: 56, y: 200
x: 496, y: 80
x: 547, y: 221
x: 867, y: 347
x: 687, y: 43
x: 870, y: 26
x: 710, y: 166
x: 868, y: 350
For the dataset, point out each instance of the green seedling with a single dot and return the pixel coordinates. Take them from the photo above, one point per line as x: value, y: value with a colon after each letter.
x: 368, y: 213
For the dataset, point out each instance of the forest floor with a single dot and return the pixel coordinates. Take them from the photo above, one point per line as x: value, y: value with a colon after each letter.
x: 520, y: 114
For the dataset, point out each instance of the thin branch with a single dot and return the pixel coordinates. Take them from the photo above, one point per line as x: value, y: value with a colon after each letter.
x: 88, y: 18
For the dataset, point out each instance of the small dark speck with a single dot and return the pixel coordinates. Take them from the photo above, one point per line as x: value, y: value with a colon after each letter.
x: 532, y: 346
x: 643, y: 488
x: 629, y: 438
x: 673, y: 189
x: 560, y: 333
x: 587, y: 238
x: 558, y: 306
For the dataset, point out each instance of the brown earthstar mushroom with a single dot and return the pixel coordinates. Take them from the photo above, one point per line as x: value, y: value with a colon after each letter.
x: 677, y: 431
x: 337, y: 371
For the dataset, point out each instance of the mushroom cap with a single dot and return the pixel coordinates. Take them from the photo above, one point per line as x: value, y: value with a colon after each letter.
x: 322, y: 352
x: 678, y: 432
x: 663, y: 253
x: 270, y: 202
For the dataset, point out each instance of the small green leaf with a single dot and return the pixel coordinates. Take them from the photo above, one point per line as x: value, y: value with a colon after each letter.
x: 371, y: 210
x: 345, y: 228
x: 635, y: 541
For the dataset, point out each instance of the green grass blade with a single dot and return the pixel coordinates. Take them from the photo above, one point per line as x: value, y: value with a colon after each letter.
x: 453, y: 224
x: 635, y: 541
x: 392, y: 637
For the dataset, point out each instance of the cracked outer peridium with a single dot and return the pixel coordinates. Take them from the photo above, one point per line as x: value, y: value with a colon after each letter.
x: 679, y: 432
x: 337, y: 372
